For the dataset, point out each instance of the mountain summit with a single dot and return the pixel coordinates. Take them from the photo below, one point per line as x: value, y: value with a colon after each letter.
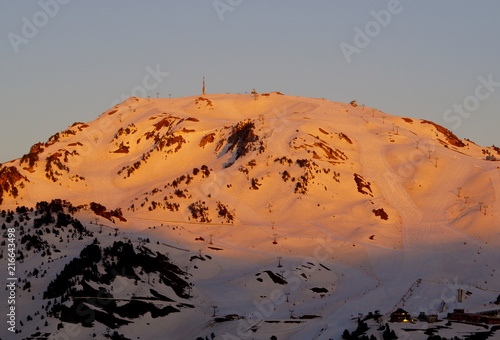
x: 255, y: 159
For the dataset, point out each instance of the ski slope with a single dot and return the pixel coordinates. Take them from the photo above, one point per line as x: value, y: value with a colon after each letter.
x: 300, y: 179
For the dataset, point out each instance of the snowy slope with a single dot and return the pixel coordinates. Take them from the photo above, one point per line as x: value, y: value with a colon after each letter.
x: 357, y: 203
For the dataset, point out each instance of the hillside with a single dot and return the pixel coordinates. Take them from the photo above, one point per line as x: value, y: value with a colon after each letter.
x: 358, y: 205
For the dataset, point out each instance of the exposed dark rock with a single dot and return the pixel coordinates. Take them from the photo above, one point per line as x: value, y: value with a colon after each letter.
x: 363, y: 185
x: 451, y: 138
x: 207, y: 139
x: 381, y: 213
x: 101, y: 210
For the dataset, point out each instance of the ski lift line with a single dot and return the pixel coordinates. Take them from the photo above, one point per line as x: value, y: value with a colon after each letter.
x: 282, y: 331
x: 174, y: 247
x: 174, y: 222
x: 179, y: 222
x: 452, y: 179
x: 485, y: 289
x: 341, y: 301
x: 160, y: 302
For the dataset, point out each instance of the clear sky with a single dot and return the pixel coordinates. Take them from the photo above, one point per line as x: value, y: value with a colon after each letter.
x: 64, y: 61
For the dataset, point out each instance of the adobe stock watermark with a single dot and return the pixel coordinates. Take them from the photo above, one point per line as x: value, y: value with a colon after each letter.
x: 217, y: 180
x: 95, y: 136
x: 372, y: 29
x: 151, y: 80
x: 324, y: 250
x: 408, y: 163
x: 11, y: 285
x: 31, y: 26
x: 279, y: 118
x: 223, y: 6
x: 471, y: 104
x: 449, y: 295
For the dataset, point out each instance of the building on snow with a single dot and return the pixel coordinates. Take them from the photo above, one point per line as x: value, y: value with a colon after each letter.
x: 400, y: 315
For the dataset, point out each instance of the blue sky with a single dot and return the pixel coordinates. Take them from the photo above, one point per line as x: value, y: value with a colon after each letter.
x: 437, y: 60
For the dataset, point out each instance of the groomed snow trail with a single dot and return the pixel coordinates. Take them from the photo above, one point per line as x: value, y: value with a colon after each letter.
x: 376, y: 169
x: 495, y: 179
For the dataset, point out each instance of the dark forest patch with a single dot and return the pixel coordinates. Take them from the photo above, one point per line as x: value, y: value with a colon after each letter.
x: 78, y: 277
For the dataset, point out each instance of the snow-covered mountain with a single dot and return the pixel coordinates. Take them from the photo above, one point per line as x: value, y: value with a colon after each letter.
x: 357, y: 204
